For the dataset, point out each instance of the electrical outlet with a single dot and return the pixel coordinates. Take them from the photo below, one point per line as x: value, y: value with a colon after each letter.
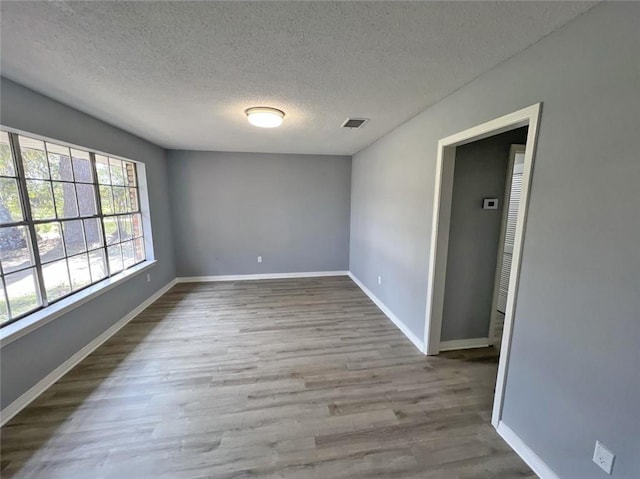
x: 603, y: 457
x: 148, y: 277
x: 379, y: 279
x: 259, y: 259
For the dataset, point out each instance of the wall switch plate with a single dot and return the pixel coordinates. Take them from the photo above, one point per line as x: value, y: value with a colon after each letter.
x: 148, y: 277
x: 379, y: 279
x: 259, y: 259
x: 490, y: 204
x: 603, y: 457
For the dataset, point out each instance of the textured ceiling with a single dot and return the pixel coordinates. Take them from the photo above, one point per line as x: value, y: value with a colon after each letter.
x: 180, y: 74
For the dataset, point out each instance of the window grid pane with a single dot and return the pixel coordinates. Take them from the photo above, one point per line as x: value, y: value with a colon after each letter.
x: 93, y: 233
x: 10, y: 204
x: 82, y: 222
x: 81, y: 161
x: 102, y: 170
x: 34, y: 159
x: 66, y: 201
x: 59, y: 162
x: 79, y: 271
x: 115, y: 258
x: 15, y: 252
x: 41, y: 199
x: 56, y: 279
x: 73, y: 233
x: 7, y: 166
x: 22, y: 292
x: 50, y: 243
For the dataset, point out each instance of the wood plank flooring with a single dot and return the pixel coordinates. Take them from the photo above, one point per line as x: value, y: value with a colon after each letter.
x: 296, y: 378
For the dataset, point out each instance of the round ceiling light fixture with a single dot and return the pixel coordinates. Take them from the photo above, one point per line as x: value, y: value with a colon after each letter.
x: 264, y: 116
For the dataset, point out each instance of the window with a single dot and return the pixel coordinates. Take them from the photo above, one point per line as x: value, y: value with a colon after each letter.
x: 69, y: 218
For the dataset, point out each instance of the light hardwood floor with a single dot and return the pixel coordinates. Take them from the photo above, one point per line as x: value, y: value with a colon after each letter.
x: 297, y: 378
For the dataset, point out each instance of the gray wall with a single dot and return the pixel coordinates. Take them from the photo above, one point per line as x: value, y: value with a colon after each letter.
x: 30, y: 358
x: 229, y: 208
x: 573, y: 375
x: 480, y: 172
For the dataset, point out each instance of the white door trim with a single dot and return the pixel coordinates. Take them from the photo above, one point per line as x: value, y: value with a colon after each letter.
x: 529, y: 116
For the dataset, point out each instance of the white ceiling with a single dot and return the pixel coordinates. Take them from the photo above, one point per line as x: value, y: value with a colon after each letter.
x: 180, y: 74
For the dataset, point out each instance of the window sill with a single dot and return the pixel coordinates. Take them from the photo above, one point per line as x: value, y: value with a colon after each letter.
x: 24, y: 326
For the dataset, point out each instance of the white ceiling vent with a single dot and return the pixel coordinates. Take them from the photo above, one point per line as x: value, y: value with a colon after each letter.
x: 354, y: 122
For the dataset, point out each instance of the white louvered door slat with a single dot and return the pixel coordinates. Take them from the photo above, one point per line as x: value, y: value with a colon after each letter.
x: 508, y: 236
x: 510, y: 231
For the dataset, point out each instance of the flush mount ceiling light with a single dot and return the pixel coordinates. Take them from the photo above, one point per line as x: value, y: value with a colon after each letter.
x: 264, y: 117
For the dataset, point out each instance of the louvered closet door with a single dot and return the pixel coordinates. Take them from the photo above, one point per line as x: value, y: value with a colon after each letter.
x: 510, y: 230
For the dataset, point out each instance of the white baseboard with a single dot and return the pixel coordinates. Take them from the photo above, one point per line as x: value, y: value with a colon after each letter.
x: 417, y: 342
x: 41, y: 386
x: 531, y: 458
x: 464, y: 344
x: 248, y: 277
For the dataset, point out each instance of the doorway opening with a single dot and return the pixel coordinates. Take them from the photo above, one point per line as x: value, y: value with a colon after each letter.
x: 501, y: 273
x: 506, y: 242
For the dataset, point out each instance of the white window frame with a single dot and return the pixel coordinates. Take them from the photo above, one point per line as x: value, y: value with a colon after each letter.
x: 44, y: 315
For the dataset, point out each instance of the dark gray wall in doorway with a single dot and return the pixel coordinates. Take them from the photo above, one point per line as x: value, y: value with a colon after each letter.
x: 474, y: 233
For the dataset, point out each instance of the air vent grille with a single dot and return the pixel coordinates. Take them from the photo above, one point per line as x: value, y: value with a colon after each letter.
x: 354, y: 122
